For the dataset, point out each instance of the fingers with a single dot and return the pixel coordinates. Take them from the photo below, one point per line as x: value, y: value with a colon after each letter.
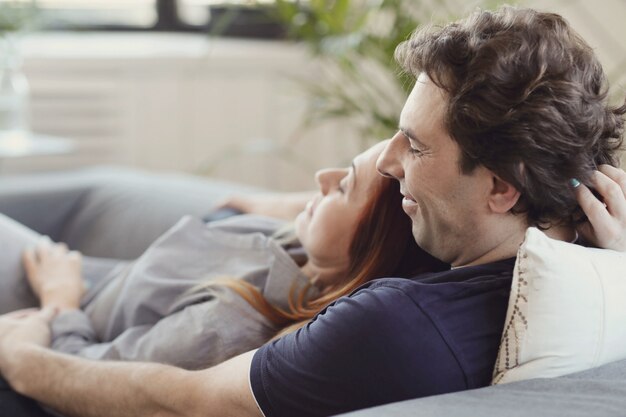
x: 54, y: 248
x: 616, y: 174
x: 606, y: 213
x: 586, y: 231
x: 236, y: 202
x: 20, y: 314
x: 226, y: 202
x: 596, y: 213
x: 61, y: 247
x: 48, y: 314
x: 29, y: 260
x: 610, y: 183
x: 46, y: 247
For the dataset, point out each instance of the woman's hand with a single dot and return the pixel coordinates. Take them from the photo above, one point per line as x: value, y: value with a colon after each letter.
x: 606, y: 225
x: 54, y: 274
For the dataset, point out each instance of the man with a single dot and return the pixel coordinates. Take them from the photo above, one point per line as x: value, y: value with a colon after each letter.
x: 507, y: 108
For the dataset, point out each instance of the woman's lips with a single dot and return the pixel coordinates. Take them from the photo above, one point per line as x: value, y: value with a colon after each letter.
x: 310, y: 205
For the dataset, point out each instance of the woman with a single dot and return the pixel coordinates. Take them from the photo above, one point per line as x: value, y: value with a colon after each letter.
x: 180, y: 303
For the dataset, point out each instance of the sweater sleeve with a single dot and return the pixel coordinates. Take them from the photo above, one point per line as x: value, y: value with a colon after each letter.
x: 197, y: 336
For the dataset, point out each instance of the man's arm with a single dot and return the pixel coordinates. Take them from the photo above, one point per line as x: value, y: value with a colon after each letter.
x: 80, y: 387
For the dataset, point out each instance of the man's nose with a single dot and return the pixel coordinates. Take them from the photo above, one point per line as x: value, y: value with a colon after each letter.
x: 388, y: 163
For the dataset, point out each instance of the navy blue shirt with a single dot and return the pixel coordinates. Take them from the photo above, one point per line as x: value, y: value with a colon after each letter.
x: 391, y: 340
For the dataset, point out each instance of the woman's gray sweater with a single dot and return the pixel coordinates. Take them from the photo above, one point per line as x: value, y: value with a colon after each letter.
x: 148, y: 310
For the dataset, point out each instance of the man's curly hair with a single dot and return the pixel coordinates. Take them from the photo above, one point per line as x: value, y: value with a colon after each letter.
x: 527, y: 99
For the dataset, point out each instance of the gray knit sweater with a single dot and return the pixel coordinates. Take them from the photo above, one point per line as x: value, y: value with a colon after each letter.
x: 145, y: 310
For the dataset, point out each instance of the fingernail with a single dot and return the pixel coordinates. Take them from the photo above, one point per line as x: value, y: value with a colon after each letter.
x: 574, y: 183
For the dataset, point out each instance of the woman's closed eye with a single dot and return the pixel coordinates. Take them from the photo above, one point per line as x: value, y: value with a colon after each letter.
x: 347, y: 181
x: 341, y: 187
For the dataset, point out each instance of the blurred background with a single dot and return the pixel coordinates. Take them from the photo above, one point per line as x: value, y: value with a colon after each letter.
x: 259, y: 92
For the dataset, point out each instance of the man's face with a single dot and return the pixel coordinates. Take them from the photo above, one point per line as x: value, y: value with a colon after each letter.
x: 446, y: 207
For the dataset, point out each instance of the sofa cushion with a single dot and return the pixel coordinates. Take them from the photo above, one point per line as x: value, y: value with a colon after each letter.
x: 598, y: 392
x: 566, y: 310
x: 110, y: 212
x: 126, y: 210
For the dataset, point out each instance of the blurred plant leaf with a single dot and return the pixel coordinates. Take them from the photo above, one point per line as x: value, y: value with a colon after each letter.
x: 355, y: 41
x: 16, y: 15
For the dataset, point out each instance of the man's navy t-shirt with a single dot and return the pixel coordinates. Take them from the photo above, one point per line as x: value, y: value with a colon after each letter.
x: 391, y: 340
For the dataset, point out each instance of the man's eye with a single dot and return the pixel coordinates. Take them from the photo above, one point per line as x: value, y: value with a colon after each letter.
x: 416, y: 152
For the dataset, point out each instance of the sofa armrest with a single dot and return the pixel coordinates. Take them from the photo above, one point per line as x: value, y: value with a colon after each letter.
x: 42, y: 203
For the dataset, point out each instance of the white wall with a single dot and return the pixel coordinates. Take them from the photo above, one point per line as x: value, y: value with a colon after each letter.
x: 225, y: 108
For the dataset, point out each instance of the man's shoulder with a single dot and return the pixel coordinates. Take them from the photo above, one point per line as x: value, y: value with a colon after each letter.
x: 459, y: 312
x: 390, y: 340
x: 434, y: 300
x: 435, y: 285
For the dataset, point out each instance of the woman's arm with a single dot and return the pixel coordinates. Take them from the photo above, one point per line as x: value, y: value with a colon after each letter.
x: 606, y: 225
x: 196, y: 337
x: 285, y: 206
x: 80, y: 387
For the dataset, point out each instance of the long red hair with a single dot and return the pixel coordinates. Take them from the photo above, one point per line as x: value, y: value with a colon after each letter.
x: 382, y: 246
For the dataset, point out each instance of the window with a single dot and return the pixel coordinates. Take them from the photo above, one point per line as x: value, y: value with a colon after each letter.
x: 98, y: 14
x: 163, y: 15
x: 194, y: 12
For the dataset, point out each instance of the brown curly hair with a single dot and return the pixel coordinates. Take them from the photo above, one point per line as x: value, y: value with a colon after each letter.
x: 527, y: 99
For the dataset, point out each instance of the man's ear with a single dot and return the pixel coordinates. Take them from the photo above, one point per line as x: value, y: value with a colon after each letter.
x: 503, y: 195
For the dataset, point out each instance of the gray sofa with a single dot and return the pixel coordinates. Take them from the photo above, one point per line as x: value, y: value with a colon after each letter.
x: 117, y: 213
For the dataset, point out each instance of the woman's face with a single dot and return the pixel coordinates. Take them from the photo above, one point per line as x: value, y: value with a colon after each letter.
x: 328, y: 223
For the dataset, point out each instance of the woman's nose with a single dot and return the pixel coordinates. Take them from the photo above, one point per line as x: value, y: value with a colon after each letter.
x: 321, y: 177
x: 329, y: 178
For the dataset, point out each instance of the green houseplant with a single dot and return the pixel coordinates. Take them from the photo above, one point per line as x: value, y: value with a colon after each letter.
x: 355, y: 41
x: 360, y: 84
x: 15, y: 17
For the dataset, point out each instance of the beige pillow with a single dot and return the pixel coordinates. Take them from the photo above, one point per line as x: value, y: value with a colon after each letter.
x: 566, y: 313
